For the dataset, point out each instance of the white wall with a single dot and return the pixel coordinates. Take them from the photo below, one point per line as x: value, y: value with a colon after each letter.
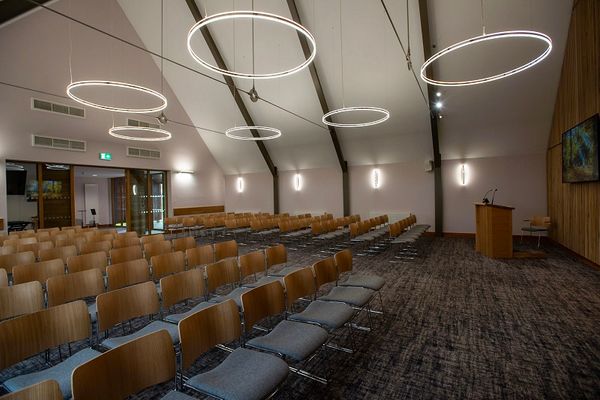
x: 3, y: 209
x: 521, y: 183
x: 321, y: 192
x: 256, y: 197
x: 104, y: 216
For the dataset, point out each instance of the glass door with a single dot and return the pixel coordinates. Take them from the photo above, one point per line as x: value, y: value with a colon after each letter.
x: 137, y: 199
x: 55, y: 188
x: 158, y: 200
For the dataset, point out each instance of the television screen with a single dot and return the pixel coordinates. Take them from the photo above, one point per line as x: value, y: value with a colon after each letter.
x: 15, y: 182
x: 580, y: 152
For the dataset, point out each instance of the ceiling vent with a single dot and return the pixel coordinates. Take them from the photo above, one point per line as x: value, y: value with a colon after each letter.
x: 46, y: 106
x: 143, y: 153
x: 135, y: 122
x: 57, y: 143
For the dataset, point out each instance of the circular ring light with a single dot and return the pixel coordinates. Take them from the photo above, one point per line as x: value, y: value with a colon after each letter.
x: 230, y: 133
x: 130, y: 86
x: 166, y: 135
x: 382, y: 111
x: 483, y: 38
x: 256, y: 15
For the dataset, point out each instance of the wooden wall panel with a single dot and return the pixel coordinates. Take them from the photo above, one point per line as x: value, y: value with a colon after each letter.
x: 575, y: 208
x: 198, y: 210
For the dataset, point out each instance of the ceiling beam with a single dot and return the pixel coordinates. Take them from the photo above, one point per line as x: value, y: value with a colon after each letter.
x: 324, y: 107
x: 216, y: 53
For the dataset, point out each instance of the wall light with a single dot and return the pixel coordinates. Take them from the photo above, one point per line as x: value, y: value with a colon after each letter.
x: 186, y: 171
x: 376, y: 178
x: 298, y: 182
x: 463, y: 174
x: 240, y: 184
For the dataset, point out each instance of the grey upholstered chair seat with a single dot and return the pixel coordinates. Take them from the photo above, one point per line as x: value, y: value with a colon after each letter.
x: 262, y: 281
x: 235, y: 295
x: 372, y: 282
x: 328, y: 314
x: 356, y: 296
x: 173, y: 395
x: 111, y: 343
x: 295, y: 340
x: 175, y: 318
x: 244, y: 375
x: 60, y: 372
x: 93, y: 311
x: 285, y: 271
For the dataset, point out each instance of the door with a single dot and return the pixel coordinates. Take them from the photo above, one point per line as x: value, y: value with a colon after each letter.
x: 158, y: 200
x: 137, y: 200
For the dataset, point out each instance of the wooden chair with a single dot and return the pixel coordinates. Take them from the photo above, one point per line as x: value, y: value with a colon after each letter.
x: 226, y: 250
x: 121, y: 305
x: 126, y: 241
x: 538, y: 225
x: 97, y: 260
x: 54, y: 229
x: 31, y: 334
x: 156, y: 248
x: 100, y: 237
x: 8, y: 261
x: 127, y: 369
x: 183, y: 286
x: 3, y: 278
x: 93, y: 247
x: 35, y: 247
x: 27, y: 240
x: 225, y: 273
x: 8, y: 250
x: 58, y: 252
x: 152, y: 238
x: 277, y: 257
x: 201, y: 255
x: 39, y: 271
x: 43, y: 236
x: 220, y: 324
x: 45, y: 390
x: 127, y: 273
x: 343, y: 262
x: 129, y: 234
x: 252, y: 264
x: 21, y: 299
x: 182, y: 244
x: 76, y: 286
x: 166, y: 264
x: 123, y: 254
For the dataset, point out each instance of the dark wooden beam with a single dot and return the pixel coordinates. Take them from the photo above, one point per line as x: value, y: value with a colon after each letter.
x: 324, y: 107
x: 216, y: 53
x: 433, y: 118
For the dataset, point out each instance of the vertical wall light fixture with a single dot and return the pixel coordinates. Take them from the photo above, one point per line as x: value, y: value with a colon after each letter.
x: 240, y: 184
x: 298, y: 182
x: 376, y: 178
x: 463, y: 174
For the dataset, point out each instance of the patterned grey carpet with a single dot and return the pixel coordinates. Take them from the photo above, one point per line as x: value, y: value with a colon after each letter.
x: 458, y: 326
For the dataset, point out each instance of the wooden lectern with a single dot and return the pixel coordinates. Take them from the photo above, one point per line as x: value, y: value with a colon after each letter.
x: 493, y: 237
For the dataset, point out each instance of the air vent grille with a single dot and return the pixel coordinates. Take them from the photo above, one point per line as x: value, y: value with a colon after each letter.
x: 143, y: 153
x: 135, y: 122
x: 46, y: 106
x: 57, y: 143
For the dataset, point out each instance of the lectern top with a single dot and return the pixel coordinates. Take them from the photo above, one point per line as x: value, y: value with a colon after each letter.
x: 495, y: 205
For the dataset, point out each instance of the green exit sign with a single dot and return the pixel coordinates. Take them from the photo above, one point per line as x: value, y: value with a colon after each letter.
x: 106, y: 156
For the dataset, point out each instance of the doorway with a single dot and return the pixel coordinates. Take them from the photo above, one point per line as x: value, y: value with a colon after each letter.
x: 97, y: 203
x: 147, y: 200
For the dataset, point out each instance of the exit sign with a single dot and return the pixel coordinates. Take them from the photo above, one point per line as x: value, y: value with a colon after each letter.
x: 106, y: 156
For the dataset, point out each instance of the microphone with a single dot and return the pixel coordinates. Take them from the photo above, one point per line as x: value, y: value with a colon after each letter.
x: 494, y: 195
x: 485, y: 199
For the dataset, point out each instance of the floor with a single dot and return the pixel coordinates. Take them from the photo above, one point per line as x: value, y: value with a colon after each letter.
x: 458, y: 326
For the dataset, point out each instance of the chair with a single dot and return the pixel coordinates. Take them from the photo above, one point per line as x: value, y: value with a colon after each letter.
x: 152, y: 238
x: 39, y: 271
x: 87, y: 261
x: 182, y: 244
x: 60, y: 325
x: 75, y: 286
x: 93, y: 247
x: 24, y: 298
x: 295, y: 341
x: 277, y: 256
x: 3, y: 278
x: 45, y: 390
x: 101, y: 237
x: 182, y: 286
x: 126, y: 241
x: 121, y: 305
x: 166, y: 264
x: 226, y: 250
x: 35, y: 247
x: 58, y: 252
x: 8, y: 261
x: 343, y: 261
x: 224, y: 273
x: 8, y: 249
x: 537, y: 225
x: 118, y: 256
x: 127, y: 273
x: 123, y: 371
x: 156, y: 248
x: 201, y: 255
x: 254, y: 263
x: 244, y: 374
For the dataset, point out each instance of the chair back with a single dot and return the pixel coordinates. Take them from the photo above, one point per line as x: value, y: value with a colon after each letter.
x: 79, y: 285
x: 127, y: 273
x: 276, y: 255
x: 8, y: 249
x: 44, y: 390
x: 222, y: 273
x: 101, y: 237
x: 93, y: 247
x: 201, y: 331
x: 168, y: 263
x: 129, y: 234
x: 30, y: 334
x: 97, y: 260
x: 24, y: 298
x: 201, y: 255
x: 325, y: 271
x: 123, y: 254
x: 39, y: 271
x: 152, y: 238
x: 156, y: 248
x: 125, y: 241
x: 3, y: 278
x: 58, y: 252
x: 35, y: 247
x: 182, y: 244
x: 540, y: 221
x: 145, y: 361
x: 252, y: 263
x: 300, y: 283
x: 343, y: 261
x: 126, y: 303
x: 181, y: 286
x: 262, y: 302
x: 225, y: 250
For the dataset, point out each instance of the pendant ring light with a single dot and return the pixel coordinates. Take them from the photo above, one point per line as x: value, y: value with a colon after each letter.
x: 382, y: 111
x: 483, y: 38
x: 253, y: 15
x: 230, y: 133
x: 123, y: 85
x: 114, y: 131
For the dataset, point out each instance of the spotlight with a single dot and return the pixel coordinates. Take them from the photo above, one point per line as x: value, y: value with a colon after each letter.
x: 439, y: 94
x: 438, y: 105
x: 162, y: 118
